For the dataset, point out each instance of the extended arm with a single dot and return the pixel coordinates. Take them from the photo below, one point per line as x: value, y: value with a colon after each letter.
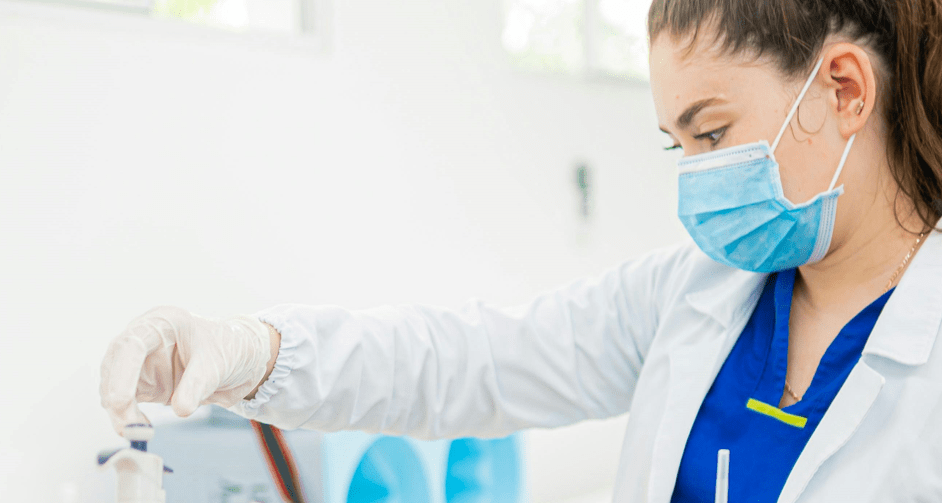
x: 572, y: 354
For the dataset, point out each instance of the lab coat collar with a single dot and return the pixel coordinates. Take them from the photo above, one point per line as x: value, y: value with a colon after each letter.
x: 910, y: 321
x: 906, y: 330
x: 731, y: 299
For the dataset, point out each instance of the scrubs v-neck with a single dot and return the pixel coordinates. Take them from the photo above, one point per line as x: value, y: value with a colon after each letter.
x: 740, y: 412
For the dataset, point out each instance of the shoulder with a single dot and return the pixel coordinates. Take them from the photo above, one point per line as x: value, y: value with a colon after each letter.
x: 683, y: 268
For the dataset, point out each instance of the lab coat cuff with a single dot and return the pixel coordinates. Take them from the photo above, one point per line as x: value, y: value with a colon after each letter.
x: 284, y: 363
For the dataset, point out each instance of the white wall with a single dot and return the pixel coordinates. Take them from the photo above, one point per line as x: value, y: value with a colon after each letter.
x: 409, y: 162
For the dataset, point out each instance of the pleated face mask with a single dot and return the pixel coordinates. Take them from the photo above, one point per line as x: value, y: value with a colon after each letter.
x: 733, y: 205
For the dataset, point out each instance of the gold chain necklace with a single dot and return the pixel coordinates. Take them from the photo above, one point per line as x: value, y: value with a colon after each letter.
x: 889, y: 284
x: 903, y: 264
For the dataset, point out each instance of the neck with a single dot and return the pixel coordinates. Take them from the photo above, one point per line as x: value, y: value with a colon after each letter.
x: 857, y: 269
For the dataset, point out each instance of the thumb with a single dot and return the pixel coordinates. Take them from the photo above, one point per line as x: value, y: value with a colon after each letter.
x: 200, y: 380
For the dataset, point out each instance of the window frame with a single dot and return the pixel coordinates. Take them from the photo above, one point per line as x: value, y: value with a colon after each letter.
x: 314, y: 38
x: 592, y: 71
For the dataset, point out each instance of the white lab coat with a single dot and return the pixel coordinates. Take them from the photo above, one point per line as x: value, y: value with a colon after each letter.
x: 649, y: 337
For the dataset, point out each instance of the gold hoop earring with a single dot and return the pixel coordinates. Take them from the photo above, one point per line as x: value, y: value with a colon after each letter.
x: 860, y: 107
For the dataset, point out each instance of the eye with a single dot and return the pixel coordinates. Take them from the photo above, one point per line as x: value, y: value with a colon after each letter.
x: 669, y: 143
x: 714, y: 136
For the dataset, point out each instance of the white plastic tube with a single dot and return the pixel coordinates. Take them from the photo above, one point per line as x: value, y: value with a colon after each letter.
x: 722, y: 476
x: 139, y: 473
x: 139, y: 477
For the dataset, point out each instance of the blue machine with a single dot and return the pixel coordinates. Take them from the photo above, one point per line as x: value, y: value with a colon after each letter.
x: 220, y: 460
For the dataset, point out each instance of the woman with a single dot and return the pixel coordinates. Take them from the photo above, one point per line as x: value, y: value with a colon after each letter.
x: 780, y: 335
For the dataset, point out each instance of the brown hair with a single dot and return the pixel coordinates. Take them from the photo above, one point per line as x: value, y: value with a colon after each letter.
x: 907, y: 35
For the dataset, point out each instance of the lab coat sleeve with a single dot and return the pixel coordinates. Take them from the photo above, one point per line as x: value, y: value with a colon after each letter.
x: 571, y: 354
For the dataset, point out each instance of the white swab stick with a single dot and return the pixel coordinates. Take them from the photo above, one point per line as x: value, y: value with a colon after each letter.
x: 722, y: 476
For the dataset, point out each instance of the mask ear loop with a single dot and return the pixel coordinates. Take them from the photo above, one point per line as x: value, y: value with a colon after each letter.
x: 801, y: 95
x: 791, y: 114
x: 840, y: 166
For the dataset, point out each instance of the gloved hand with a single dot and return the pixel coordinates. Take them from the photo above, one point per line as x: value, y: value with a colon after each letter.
x: 171, y: 356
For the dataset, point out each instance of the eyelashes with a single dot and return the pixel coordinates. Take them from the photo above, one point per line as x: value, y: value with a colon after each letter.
x: 713, y: 136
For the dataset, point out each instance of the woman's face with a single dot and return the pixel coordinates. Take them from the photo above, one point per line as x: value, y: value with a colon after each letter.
x: 706, y: 102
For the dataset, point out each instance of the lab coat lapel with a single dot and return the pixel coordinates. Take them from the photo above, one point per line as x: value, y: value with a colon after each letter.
x: 843, y: 417
x: 691, y: 372
x: 693, y: 367
x: 905, y: 333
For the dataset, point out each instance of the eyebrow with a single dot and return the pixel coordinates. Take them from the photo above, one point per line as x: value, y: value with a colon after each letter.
x: 687, y: 117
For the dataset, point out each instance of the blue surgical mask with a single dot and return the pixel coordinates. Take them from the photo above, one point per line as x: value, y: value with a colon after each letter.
x: 733, y: 205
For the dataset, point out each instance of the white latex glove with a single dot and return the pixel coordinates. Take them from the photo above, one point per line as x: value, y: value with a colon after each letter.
x: 171, y: 356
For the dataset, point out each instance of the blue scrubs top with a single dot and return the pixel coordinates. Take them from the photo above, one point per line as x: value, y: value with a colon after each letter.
x: 740, y: 412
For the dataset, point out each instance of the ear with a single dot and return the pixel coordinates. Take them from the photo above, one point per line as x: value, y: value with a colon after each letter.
x: 849, y: 79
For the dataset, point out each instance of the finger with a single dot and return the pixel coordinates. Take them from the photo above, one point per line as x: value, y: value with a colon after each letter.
x: 158, y: 375
x: 121, y: 367
x: 200, y: 380
x: 130, y: 415
x: 119, y: 375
